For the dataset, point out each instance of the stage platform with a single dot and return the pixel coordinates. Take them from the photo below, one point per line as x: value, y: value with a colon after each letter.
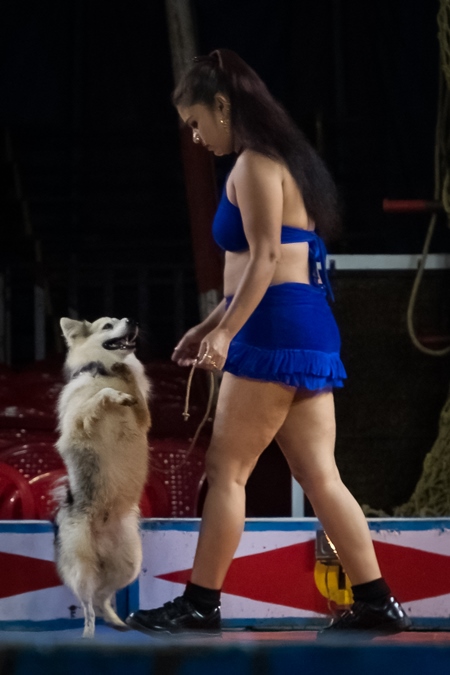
x: 237, y: 652
x: 274, y: 602
x: 276, y: 581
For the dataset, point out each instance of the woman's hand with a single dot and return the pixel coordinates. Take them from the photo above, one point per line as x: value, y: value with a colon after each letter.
x: 186, y: 351
x: 210, y: 350
x: 213, y: 349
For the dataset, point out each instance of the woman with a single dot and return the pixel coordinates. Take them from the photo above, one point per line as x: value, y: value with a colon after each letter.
x: 275, y: 340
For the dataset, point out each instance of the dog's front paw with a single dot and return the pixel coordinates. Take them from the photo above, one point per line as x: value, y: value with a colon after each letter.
x: 127, y: 399
x: 110, y: 395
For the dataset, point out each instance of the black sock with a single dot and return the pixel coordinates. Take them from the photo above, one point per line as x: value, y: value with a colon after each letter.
x: 375, y: 592
x: 203, y: 599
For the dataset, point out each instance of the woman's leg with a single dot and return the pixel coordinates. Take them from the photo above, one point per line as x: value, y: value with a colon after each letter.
x: 248, y: 415
x: 307, y: 440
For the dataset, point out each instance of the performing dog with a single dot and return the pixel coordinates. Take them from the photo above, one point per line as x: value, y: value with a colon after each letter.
x: 103, y: 424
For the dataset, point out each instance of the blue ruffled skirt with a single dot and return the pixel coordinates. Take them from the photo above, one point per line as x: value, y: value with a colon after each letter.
x: 291, y: 338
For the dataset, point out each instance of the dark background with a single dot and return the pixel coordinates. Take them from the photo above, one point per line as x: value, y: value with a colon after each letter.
x: 85, y: 88
x: 85, y: 111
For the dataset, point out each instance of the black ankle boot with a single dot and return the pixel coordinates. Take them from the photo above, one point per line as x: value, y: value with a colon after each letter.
x: 377, y: 618
x: 175, y: 618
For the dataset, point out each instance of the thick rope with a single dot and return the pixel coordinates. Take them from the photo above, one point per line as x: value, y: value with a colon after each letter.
x: 186, y: 415
x: 441, y: 171
x: 212, y: 389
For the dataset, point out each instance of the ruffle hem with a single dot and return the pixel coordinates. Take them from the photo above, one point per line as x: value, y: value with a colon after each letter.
x: 300, y: 368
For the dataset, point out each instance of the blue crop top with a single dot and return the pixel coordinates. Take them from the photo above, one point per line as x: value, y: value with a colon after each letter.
x: 228, y: 232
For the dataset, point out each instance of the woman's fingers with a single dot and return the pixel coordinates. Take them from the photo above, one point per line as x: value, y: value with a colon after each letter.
x: 189, y: 361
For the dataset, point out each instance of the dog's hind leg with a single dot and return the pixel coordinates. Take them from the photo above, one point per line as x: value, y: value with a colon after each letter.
x: 121, y: 555
x: 77, y: 562
x: 89, y: 618
x: 85, y: 591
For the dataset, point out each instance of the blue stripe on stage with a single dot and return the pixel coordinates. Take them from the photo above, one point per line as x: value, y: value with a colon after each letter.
x: 302, y: 524
x: 409, y: 524
x: 133, y: 597
x: 251, y: 525
x: 277, y: 624
x: 10, y: 627
x: 26, y: 526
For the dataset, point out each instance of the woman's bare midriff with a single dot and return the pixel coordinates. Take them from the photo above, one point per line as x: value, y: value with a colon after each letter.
x: 292, y: 267
x: 293, y: 263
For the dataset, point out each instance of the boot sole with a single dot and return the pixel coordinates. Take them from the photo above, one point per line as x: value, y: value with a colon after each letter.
x: 200, y: 632
x: 364, y: 634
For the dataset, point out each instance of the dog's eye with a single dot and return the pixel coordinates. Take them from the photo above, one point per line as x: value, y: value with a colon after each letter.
x: 107, y: 326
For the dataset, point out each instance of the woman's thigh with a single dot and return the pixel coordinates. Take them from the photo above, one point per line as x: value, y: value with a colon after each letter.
x: 248, y: 415
x: 307, y: 437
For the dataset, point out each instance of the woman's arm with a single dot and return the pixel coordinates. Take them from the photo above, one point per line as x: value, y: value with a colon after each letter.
x: 257, y: 181
x: 188, y: 347
x: 213, y: 319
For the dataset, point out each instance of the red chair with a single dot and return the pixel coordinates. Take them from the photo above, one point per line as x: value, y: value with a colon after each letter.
x: 33, y: 459
x: 180, y: 475
x: 13, y: 437
x: 43, y: 490
x: 156, y: 498
x: 20, y: 416
x: 145, y: 506
x: 29, y: 399
x: 169, y: 384
x: 36, y: 391
x: 6, y: 443
x: 16, y: 498
x: 46, y: 503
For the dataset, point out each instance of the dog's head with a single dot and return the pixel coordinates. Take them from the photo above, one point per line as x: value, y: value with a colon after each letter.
x: 106, y: 340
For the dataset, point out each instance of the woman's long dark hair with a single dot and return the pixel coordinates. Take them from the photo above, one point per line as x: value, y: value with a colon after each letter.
x: 261, y: 124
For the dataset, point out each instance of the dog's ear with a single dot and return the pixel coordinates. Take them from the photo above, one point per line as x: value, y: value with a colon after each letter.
x: 72, y: 329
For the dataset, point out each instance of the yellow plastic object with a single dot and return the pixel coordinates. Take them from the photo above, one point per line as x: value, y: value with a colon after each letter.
x: 333, y: 583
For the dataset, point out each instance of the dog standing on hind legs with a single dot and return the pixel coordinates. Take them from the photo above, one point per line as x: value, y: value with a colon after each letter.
x: 103, y: 424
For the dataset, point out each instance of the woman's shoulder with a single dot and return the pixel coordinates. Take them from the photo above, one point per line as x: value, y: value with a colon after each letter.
x: 254, y: 164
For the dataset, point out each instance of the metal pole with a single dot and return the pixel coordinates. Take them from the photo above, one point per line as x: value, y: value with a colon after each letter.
x: 8, y: 340
x: 297, y: 500
x: 39, y: 323
x: 76, y: 149
x: 2, y: 321
x: 181, y: 34
x: 198, y: 168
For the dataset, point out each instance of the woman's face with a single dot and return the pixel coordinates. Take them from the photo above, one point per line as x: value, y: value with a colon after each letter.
x: 207, y: 125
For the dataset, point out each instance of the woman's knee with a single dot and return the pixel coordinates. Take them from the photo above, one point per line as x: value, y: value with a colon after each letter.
x: 319, y: 481
x: 220, y: 468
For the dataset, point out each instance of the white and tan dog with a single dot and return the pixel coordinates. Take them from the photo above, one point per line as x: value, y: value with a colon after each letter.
x: 103, y: 424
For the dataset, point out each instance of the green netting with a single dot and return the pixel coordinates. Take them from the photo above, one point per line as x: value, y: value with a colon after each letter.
x: 431, y: 497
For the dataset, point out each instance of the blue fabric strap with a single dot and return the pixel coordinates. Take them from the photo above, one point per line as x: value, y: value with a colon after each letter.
x: 318, y: 253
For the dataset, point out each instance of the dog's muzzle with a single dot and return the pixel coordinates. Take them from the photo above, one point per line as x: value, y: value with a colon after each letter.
x: 125, y: 342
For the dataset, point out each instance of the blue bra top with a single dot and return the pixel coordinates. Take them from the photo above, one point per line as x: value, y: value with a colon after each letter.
x: 228, y: 232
